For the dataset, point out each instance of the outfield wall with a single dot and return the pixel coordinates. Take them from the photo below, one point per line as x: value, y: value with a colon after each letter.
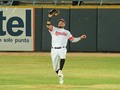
x: 23, y: 28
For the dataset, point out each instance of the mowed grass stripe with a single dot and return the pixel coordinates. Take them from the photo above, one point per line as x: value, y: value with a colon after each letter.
x: 34, y: 72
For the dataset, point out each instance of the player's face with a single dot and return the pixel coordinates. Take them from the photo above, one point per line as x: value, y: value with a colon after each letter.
x: 61, y: 24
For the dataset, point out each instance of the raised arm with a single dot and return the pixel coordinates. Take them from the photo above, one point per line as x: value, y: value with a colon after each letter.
x: 48, y: 24
x: 52, y: 12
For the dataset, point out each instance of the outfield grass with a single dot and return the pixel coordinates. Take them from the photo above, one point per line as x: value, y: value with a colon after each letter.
x: 27, y: 71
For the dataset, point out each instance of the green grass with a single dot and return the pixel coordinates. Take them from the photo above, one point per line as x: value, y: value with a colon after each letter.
x: 34, y: 72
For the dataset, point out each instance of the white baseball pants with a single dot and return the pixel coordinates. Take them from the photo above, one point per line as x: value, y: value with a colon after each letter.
x: 56, y: 55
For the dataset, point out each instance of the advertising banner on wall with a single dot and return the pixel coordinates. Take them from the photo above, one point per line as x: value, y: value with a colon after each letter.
x: 16, y: 29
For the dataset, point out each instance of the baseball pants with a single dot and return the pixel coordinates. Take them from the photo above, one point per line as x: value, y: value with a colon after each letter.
x: 56, y: 55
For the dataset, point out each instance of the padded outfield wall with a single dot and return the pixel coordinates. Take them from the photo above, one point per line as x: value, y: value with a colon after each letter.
x: 23, y: 28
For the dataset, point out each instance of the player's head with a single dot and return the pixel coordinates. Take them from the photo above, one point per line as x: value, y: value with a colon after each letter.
x: 61, y: 23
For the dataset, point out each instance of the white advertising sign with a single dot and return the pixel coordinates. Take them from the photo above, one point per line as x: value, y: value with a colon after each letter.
x: 16, y: 29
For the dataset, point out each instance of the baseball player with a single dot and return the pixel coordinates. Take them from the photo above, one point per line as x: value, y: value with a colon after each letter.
x: 60, y: 37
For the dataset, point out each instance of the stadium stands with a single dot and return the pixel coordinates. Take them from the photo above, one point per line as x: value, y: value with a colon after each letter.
x: 62, y: 2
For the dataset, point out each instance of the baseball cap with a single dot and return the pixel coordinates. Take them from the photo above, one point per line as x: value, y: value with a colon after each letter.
x: 62, y: 20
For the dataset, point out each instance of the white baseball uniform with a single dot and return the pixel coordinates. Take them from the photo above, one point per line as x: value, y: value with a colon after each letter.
x: 60, y: 38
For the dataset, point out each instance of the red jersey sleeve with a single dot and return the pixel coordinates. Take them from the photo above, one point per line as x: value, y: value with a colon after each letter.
x: 70, y: 37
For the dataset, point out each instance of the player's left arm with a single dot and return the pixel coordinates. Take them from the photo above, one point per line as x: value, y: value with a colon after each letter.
x: 77, y: 39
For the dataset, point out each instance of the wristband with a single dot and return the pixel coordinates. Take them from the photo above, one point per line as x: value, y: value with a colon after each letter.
x: 49, y: 21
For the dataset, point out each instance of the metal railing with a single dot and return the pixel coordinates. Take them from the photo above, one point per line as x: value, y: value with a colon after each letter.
x: 34, y: 2
x: 7, y: 2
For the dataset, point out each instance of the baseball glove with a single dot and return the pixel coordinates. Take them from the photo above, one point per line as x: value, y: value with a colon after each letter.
x: 54, y: 12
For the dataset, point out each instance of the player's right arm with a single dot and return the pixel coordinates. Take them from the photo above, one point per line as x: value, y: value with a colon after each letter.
x: 48, y: 24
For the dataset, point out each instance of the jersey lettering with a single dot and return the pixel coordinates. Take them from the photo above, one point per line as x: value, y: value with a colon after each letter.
x: 60, y: 33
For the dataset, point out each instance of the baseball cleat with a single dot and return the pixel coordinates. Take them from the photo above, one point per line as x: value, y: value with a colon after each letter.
x: 61, y: 80
x: 61, y: 77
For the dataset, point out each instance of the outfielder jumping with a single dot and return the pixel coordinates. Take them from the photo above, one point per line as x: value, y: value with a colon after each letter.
x: 60, y: 37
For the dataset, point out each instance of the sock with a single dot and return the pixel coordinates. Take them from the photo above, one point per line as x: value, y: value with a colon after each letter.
x: 62, y: 62
x: 57, y: 71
